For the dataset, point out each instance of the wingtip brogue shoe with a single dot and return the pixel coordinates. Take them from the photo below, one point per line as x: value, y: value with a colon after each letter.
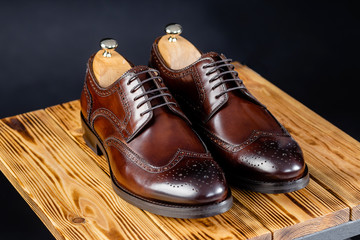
x: 157, y: 162
x: 254, y: 149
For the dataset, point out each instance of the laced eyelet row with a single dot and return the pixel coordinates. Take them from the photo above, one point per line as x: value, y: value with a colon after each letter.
x: 162, y: 91
x: 226, y: 68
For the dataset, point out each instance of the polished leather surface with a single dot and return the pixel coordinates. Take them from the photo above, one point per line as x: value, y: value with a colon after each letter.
x: 156, y: 155
x: 239, y: 131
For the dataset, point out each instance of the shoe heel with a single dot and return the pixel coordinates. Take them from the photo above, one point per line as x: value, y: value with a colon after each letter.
x: 90, y: 139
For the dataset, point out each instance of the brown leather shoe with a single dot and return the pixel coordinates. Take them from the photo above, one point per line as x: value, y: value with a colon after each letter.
x: 254, y: 149
x: 157, y: 162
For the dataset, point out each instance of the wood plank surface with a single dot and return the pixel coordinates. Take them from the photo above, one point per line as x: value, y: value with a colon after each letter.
x: 296, y: 214
x: 286, y: 215
x: 238, y: 223
x: 66, y: 189
x: 333, y: 156
x: 44, y: 156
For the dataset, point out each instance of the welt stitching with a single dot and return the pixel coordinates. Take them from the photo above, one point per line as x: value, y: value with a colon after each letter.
x: 159, y: 203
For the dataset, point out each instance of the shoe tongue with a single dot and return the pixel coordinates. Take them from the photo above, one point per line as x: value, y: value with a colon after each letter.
x: 215, y: 56
x: 138, y: 69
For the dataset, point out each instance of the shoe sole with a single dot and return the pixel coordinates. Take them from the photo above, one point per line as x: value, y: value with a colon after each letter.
x: 271, y: 187
x: 163, y: 209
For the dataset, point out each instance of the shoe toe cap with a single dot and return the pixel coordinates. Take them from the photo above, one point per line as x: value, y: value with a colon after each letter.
x: 193, y: 181
x: 274, y: 159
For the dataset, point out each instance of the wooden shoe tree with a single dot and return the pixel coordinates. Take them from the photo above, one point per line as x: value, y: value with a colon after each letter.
x: 176, y: 51
x: 109, y: 65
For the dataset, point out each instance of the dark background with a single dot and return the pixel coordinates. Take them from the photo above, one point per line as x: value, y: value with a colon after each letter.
x: 310, y: 49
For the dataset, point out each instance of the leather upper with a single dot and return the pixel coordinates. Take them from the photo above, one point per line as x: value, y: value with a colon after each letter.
x: 153, y: 153
x: 240, y: 132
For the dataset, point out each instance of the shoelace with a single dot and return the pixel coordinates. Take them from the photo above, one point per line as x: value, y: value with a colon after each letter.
x: 218, y: 65
x: 155, y: 92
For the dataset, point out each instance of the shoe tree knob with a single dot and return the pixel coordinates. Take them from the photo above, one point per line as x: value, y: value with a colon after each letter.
x: 109, y: 45
x: 173, y: 30
x: 109, y: 65
x: 176, y: 51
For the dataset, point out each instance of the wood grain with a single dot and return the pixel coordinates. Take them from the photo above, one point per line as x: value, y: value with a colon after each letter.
x: 294, y: 213
x: 109, y: 69
x: 333, y: 156
x: 179, y: 54
x: 238, y: 223
x: 66, y: 189
x: 67, y: 115
x: 67, y: 185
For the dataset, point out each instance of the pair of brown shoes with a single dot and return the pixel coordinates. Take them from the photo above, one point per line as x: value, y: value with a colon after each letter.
x: 170, y: 134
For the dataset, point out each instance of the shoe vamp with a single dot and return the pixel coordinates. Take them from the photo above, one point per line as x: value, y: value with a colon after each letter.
x: 164, y: 135
x: 239, y: 118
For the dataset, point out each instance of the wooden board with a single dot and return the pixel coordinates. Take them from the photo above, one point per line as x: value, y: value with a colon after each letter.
x: 333, y: 156
x: 238, y: 223
x: 286, y: 215
x: 67, y: 185
x: 66, y: 189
